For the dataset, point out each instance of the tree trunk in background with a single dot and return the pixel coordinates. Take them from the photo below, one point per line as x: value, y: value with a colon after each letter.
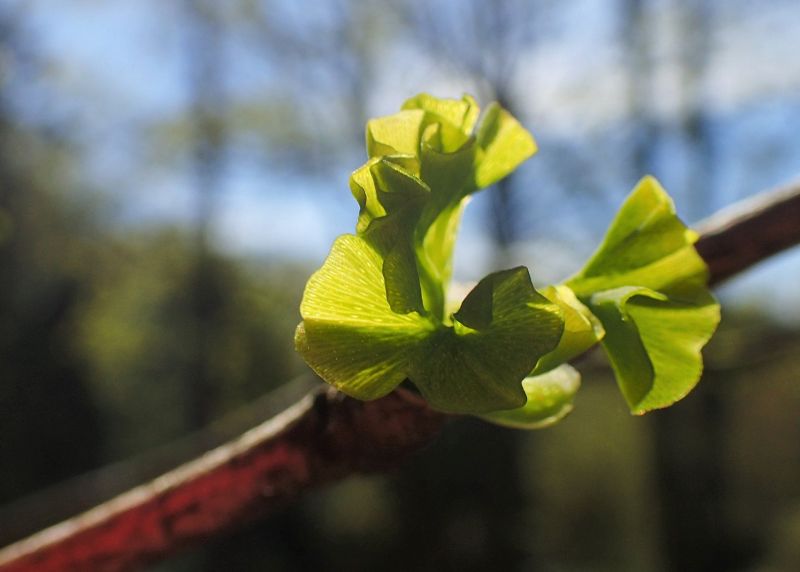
x: 49, y: 425
x: 504, y: 215
x: 206, y: 63
x: 695, y: 121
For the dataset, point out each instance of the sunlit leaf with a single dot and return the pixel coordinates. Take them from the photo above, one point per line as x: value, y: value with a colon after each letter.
x: 646, y: 245
x: 375, y: 313
x: 352, y: 338
x: 461, y: 113
x: 504, y: 144
x: 654, y: 342
x: 349, y: 335
x: 582, y: 329
x: 395, y: 134
x: 503, y: 327
x: 647, y: 285
x: 550, y: 396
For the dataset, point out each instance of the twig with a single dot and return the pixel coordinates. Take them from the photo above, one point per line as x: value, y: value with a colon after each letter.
x: 325, y: 437
x: 750, y: 231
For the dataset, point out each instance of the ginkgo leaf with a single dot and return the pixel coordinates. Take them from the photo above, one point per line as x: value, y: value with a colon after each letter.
x: 550, y: 397
x: 582, y: 329
x: 395, y: 134
x: 353, y: 339
x: 654, y: 342
x: 362, y: 186
x: 503, y: 143
x: 646, y: 283
x: 461, y: 113
x: 646, y: 245
x: 448, y: 123
x: 424, y: 163
x: 391, y: 200
x: 349, y: 335
x: 502, y: 329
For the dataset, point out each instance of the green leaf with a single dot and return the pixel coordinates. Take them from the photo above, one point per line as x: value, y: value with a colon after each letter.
x: 646, y: 245
x: 582, y: 329
x: 424, y: 163
x: 362, y: 186
x: 395, y: 134
x: 445, y: 124
x: 391, y: 200
x: 460, y: 113
x: 403, y: 290
x: 349, y: 335
x: 502, y: 329
x: 654, y: 342
x: 647, y: 285
x: 401, y: 197
x: 503, y: 143
x: 550, y: 396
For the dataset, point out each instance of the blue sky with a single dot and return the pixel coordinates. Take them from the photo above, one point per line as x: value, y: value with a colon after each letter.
x: 119, y: 70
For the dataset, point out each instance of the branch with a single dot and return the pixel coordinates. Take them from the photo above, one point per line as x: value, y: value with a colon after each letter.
x: 750, y: 231
x: 323, y: 438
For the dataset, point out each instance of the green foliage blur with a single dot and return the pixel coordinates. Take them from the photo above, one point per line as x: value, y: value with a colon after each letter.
x: 97, y: 330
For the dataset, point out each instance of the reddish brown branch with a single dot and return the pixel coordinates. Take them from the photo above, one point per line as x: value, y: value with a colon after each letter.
x: 750, y: 231
x: 323, y: 438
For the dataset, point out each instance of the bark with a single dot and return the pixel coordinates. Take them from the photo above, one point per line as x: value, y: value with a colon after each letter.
x: 323, y: 438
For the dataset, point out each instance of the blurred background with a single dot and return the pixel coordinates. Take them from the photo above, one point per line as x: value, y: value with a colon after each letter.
x: 172, y: 172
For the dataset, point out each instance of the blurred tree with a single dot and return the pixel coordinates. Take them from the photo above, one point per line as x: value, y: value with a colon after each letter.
x: 307, y: 115
x: 133, y: 332
x: 49, y: 424
x: 205, y: 61
x: 696, y: 28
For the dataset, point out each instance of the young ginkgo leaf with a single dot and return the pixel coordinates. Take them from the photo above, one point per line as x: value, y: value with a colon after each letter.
x: 550, y: 396
x: 582, y: 329
x: 654, y: 342
x: 645, y: 245
x: 647, y: 285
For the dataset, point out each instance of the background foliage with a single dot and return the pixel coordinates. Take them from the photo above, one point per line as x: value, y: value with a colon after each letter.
x: 170, y: 174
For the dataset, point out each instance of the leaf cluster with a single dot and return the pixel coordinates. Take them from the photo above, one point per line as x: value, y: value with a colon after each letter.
x: 378, y: 313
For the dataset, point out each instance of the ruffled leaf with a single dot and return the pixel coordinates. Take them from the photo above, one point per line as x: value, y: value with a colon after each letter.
x: 647, y: 285
x: 550, y: 397
x: 646, y: 245
x: 395, y: 134
x: 424, y: 163
x: 582, y: 329
x: 375, y: 313
x: 460, y: 113
x: 502, y: 329
x: 349, y: 334
x: 654, y: 342
x: 351, y: 337
x: 503, y: 143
